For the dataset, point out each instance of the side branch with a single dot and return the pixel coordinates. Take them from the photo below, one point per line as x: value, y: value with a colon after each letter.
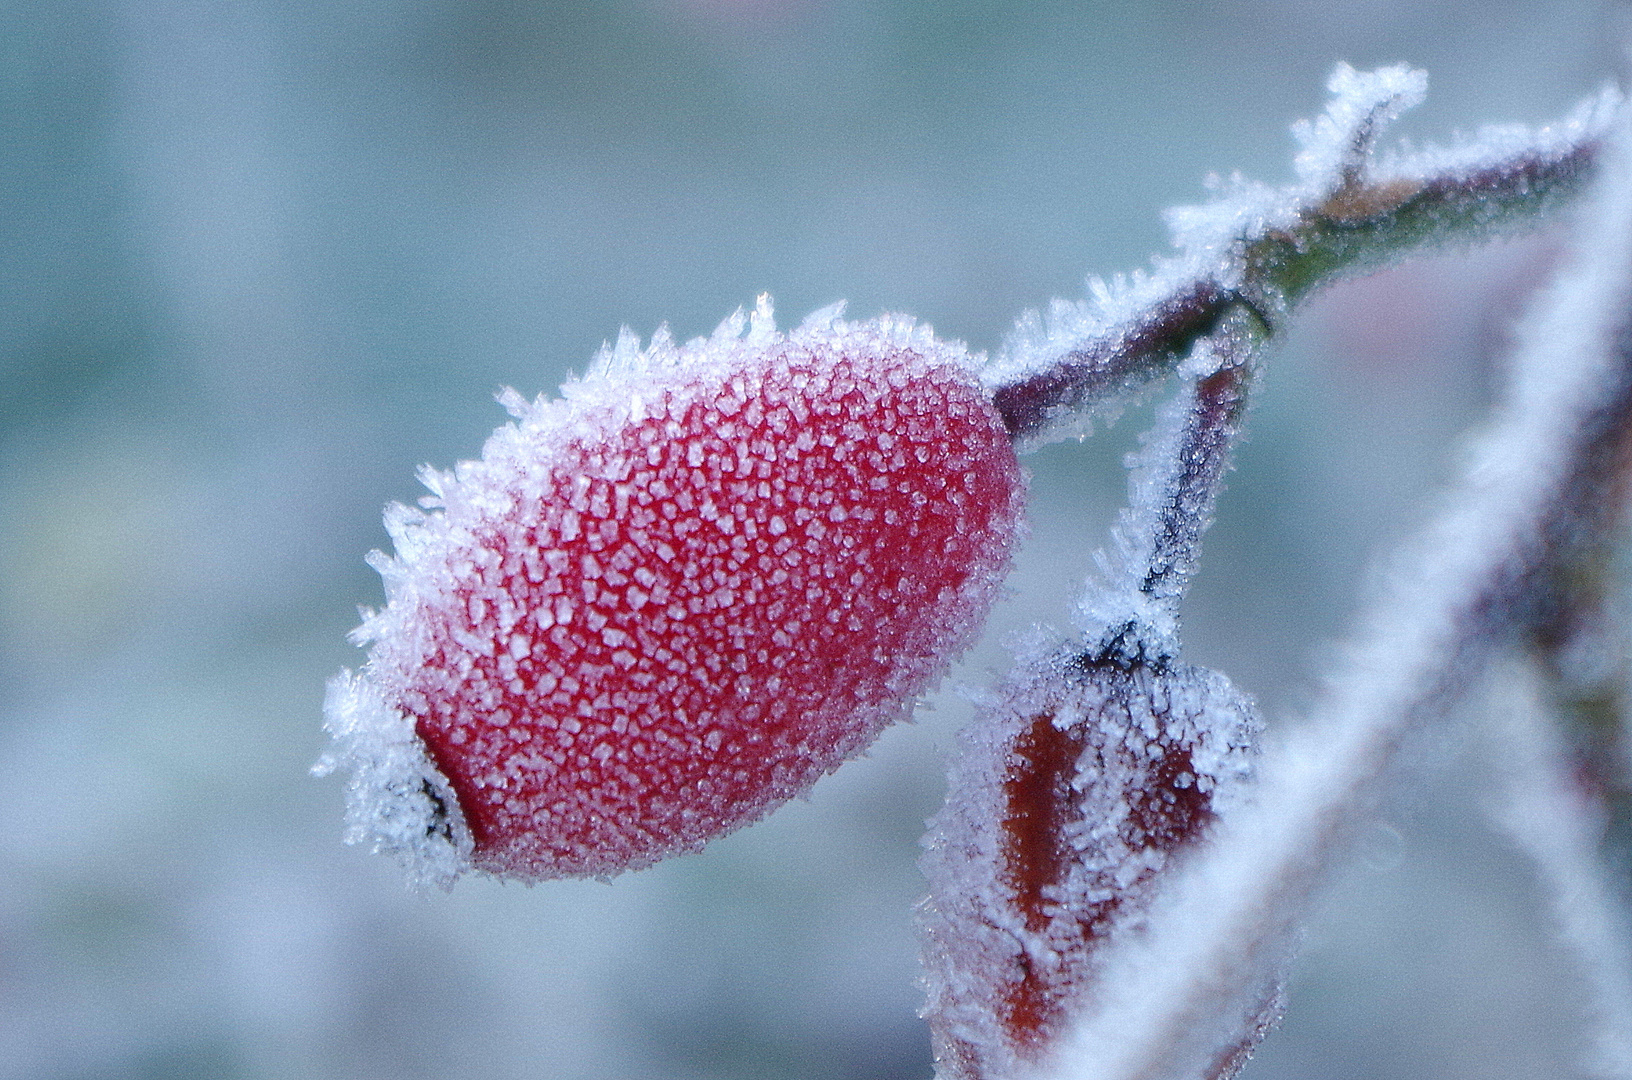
x: 1130, y: 613
x: 1218, y: 403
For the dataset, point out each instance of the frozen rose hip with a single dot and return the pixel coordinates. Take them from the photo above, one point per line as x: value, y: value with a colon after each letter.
x: 658, y: 608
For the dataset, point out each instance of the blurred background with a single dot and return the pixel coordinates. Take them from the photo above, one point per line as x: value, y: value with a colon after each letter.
x: 260, y: 260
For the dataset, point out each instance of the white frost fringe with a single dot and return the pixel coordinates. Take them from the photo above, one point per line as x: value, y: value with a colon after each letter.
x: 396, y: 800
x: 1171, y: 998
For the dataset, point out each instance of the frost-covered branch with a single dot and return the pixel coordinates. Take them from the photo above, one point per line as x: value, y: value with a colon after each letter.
x: 1267, y: 249
x: 1173, y: 997
x: 1580, y: 635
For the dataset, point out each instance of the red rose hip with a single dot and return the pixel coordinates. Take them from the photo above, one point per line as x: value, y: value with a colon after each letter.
x: 660, y: 607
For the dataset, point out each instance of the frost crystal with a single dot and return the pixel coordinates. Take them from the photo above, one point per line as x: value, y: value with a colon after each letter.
x: 1336, y: 144
x: 665, y: 604
x: 1080, y: 784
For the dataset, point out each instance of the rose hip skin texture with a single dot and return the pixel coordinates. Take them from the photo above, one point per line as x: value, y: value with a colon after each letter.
x: 654, y: 624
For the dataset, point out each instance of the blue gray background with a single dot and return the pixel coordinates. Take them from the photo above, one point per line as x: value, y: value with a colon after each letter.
x: 260, y: 260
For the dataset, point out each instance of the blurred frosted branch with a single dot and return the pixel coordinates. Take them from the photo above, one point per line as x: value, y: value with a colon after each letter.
x: 1267, y: 249
x: 1174, y: 996
x: 1580, y: 635
x: 1549, y: 814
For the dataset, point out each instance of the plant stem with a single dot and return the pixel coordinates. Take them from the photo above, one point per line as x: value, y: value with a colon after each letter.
x: 1134, y: 617
x: 1361, y: 225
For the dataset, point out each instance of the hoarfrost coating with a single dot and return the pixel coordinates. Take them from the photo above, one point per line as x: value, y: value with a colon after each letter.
x: 663, y: 605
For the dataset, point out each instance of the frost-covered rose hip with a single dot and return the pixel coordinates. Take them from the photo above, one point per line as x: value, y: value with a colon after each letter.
x: 663, y: 605
x: 1079, y: 785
